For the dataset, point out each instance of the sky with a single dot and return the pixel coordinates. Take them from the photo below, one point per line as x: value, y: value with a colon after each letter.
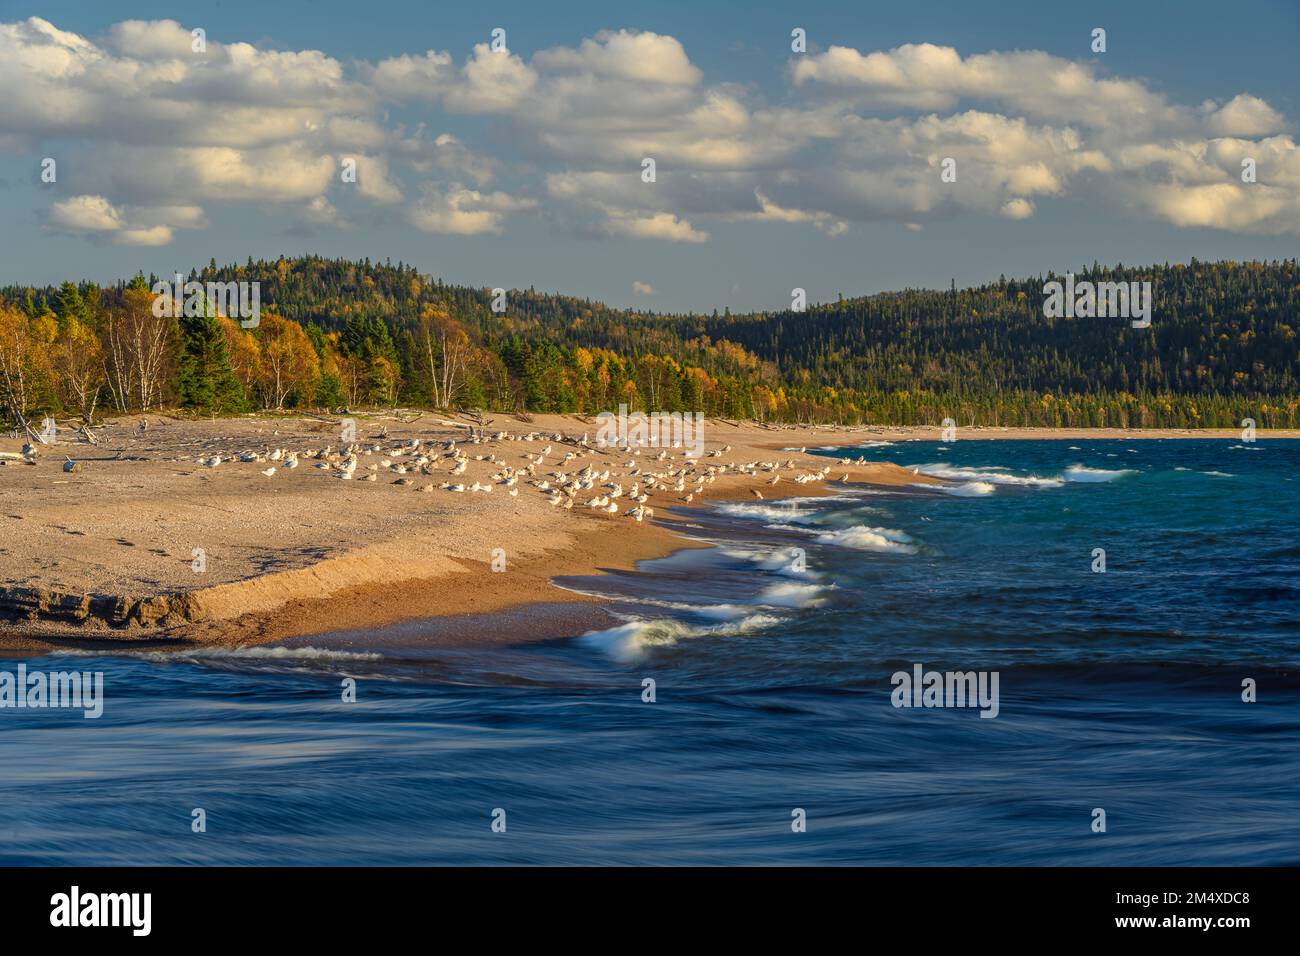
x: 523, y: 164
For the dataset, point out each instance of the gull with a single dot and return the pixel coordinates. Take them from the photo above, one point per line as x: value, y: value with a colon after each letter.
x: 291, y: 462
x: 268, y: 472
x: 213, y: 461
x: 454, y: 487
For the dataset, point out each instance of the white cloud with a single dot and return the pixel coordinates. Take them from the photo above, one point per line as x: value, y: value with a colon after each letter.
x: 642, y: 288
x: 464, y: 212
x: 1243, y: 115
x: 86, y: 214
x: 490, y: 83
x: 626, y: 55
x: 663, y: 225
x: 1017, y: 208
x: 96, y: 217
x: 155, y: 129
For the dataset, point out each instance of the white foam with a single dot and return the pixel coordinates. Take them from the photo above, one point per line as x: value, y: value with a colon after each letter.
x: 991, y: 475
x: 791, y: 594
x: 1082, y: 473
x: 863, y: 538
x: 717, y: 612
x: 630, y: 641
x: 971, y: 489
x: 776, y: 562
x: 787, y: 511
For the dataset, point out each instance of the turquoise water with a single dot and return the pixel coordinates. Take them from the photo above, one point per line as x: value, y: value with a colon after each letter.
x: 1118, y: 690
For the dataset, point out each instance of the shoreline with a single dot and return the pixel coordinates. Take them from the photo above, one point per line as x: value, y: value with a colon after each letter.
x: 354, y: 583
x: 106, y: 548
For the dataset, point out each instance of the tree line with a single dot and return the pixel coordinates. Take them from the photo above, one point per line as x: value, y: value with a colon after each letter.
x: 341, y: 334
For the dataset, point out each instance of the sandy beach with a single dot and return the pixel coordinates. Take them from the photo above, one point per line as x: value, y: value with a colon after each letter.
x: 149, y: 538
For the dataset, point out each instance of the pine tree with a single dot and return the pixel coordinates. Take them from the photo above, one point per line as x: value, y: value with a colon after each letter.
x: 207, y: 379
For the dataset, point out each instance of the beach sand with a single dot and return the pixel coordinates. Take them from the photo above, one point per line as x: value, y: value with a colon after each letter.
x: 106, y: 553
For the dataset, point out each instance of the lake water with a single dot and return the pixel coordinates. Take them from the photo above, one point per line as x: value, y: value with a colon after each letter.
x: 772, y: 655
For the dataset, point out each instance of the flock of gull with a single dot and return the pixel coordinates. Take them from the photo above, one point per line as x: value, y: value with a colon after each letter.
x: 567, y: 481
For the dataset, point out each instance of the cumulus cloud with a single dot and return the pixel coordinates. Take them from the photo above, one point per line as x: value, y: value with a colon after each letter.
x: 464, y: 212
x: 96, y: 217
x: 642, y: 288
x: 862, y: 136
x: 663, y: 225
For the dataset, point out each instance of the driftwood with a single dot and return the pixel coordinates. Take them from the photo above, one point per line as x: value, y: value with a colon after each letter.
x: 18, y: 417
x: 318, y: 418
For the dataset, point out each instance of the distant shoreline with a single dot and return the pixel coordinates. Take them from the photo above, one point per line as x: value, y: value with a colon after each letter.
x: 1017, y: 433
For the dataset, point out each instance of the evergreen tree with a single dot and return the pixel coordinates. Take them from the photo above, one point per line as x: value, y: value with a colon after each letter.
x: 207, y: 379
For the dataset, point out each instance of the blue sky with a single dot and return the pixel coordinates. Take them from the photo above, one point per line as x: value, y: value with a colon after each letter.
x: 773, y: 173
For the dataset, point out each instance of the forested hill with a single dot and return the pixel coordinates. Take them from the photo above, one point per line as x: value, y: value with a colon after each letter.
x: 1222, y: 346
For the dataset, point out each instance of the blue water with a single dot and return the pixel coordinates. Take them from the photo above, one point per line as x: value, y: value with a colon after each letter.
x: 1119, y: 691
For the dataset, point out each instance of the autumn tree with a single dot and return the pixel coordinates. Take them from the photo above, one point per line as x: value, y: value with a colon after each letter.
x: 140, y: 349
x: 289, y: 363
x: 245, y: 355
x: 445, y: 352
x: 21, y: 359
x: 79, y: 368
